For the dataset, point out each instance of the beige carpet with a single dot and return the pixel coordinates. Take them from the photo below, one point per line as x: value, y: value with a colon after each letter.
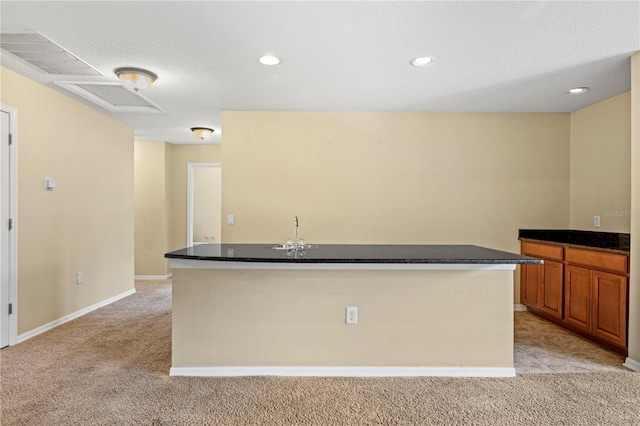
x: 111, y: 367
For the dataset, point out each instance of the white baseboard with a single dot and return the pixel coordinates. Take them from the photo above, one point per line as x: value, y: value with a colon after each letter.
x: 53, y: 324
x: 344, y: 371
x: 632, y: 364
x: 152, y: 277
x: 519, y: 307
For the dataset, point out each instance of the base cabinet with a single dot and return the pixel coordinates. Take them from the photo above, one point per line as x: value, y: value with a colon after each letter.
x: 609, y: 307
x: 551, y: 300
x: 531, y: 279
x: 578, y: 297
x: 584, y: 290
x: 541, y: 286
x: 596, y: 302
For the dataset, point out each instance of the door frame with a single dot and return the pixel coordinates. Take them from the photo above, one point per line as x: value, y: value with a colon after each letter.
x: 13, y: 213
x: 190, y: 170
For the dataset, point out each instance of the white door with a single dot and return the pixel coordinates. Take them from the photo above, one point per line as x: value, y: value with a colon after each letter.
x: 204, y: 203
x: 4, y: 230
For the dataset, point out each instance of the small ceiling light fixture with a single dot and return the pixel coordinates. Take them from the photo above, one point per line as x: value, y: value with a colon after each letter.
x: 422, y: 61
x: 269, y: 60
x: 202, y: 132
x: 578, y: 90
x: 135, y: 78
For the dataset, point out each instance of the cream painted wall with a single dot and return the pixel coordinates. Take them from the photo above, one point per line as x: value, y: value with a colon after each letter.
x: 416, y: 178
x: 600, y: 166
x: 161, y: 200
x: 279, y: 318
x: 86, y: 223
x: 634, y: 279
x: 151, y: 225
x: 177, y: 158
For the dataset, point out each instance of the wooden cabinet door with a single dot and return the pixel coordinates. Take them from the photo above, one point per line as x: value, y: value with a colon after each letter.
x: 531, y: 278
x: 551, y: 300
x: 610, y: 307
x: 577, y: 297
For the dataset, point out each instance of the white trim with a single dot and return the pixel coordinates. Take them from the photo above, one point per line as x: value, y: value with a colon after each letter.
x: 344, y: 371
x: 13, y: 211
x: 190, y: 167
x: 152, y: 277
x: 632, y: 364
x: 53, y: 324
x: 214, y: 264
x: 518, y: 307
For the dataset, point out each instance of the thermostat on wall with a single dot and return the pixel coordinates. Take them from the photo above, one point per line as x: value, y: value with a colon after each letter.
x: 49, y: 183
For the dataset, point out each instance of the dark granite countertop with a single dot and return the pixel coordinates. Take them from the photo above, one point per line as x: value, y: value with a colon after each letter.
x: 352, y: 253
x: 611, y: 242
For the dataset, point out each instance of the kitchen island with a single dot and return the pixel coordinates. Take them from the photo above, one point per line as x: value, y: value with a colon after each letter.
x: 422, y: 310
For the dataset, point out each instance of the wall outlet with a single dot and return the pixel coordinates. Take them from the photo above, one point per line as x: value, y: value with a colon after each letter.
x: 596, y: 221
x: 79, y: 278
x: 352, y: 315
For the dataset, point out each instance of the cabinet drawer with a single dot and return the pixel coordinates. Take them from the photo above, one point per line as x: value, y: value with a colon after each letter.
x: 597, y: 260
x: 543, y: 251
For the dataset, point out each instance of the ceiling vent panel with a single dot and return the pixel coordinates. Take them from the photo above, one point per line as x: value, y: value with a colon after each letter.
x: 24, y: 38
x: 30, y: 47
x: 32, y: 57
x: 111, y: 96
x: 35, y: 49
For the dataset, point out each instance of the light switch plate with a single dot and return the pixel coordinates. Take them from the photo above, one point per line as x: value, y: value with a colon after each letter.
x: 49, y: 183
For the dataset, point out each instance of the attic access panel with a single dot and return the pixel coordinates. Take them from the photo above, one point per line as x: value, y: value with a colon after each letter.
x: 112, y: 96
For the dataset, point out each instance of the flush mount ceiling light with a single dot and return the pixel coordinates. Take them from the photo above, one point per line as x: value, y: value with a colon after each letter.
x: 135, y: 78
x: 202, y: 132
x: 269, y: 60
x: 422, y: 61
x: 578, y: 90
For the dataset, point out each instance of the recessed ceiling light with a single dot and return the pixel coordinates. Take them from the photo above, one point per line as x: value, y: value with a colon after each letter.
x: 269, y: 60
x: 578, y: 90
x: 422, y: 61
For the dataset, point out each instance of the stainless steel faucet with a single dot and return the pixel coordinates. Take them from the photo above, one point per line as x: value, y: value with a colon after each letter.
x: 295, y: 247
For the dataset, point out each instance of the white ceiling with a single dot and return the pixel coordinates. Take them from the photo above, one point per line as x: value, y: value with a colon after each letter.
x: 338, y: 56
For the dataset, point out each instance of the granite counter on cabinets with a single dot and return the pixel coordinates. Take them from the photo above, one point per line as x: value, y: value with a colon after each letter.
x: 583, y: 284
x: 611, y: 242
x: 422, y: 310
